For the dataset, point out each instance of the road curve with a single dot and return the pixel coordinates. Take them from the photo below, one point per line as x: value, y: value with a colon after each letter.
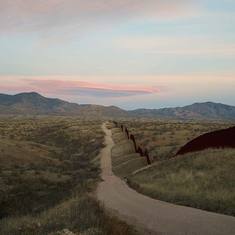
x: 154, y: 216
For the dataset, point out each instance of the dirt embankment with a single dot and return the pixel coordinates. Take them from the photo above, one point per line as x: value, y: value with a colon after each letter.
x: 216, y: 139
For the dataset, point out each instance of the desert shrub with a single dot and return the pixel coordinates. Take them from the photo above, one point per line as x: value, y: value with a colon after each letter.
x: 49, y: 190
x: 202, y: 179
x: 80, y: 214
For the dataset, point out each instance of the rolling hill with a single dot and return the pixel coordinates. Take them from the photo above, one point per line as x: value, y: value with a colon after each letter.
x: 35, y: 104
x: 207, y: 110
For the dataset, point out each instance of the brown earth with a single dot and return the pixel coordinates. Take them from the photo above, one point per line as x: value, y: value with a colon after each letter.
x: 216, y: 139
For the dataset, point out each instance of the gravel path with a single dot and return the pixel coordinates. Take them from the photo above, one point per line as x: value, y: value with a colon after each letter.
x: 152, y: 216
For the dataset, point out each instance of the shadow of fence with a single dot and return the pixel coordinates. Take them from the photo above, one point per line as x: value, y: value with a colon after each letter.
x: 138, y: 149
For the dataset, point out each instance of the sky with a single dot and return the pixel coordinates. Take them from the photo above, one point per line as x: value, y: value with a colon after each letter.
x: 129, y: 53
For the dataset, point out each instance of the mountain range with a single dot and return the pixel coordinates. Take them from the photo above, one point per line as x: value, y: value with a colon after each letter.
x: 35, y: 104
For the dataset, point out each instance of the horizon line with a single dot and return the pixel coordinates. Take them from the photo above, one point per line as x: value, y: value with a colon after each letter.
x: 48, y: 97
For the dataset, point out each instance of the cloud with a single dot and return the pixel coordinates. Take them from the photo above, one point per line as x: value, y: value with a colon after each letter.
x: 74, y: 88
x: 170, y: 90
x: 24, y: 15
x: 98, y: 92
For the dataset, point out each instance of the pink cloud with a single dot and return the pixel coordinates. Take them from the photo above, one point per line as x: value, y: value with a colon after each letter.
x: 73, y: 87
x: 118, y: 90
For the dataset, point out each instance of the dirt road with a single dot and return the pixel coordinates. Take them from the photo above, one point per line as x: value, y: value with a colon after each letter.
x: 153, y: 216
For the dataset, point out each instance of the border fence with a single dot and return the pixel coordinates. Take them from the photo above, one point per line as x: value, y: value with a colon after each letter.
x: 138, y: 149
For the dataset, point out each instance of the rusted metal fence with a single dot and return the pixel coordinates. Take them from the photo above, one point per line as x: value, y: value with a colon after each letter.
x: 138, y: 149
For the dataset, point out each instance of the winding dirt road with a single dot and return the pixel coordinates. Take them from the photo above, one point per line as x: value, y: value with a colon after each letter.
x: 153, y: 216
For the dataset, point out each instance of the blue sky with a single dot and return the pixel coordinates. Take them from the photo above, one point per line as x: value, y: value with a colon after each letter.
x: 152, y: 53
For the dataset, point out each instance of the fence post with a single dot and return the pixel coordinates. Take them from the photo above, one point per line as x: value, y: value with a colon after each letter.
x: 127, y: 133
x: 147, y: 156
x: 140, y: 151
x: 132, y: 137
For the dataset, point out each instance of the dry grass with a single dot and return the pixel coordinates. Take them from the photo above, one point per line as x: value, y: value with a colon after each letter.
x: 124, y: 159
x: 48, y: 169
x: 81, y: 215
x: 203, y: 180
x: 164, y: 138
x: 128, y: 167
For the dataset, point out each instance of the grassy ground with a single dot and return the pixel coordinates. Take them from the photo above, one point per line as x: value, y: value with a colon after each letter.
x: 124, y: 159
x: 203, y: 180
x: 164, y: 138
x: 81, y: 214
x: 48, y: 172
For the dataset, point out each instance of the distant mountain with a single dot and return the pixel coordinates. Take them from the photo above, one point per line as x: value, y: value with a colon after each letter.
x: 35, y: 104
x: 207, y: 110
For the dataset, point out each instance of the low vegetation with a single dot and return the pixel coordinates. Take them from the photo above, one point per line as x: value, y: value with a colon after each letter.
x: 48, y: 173
x: 204, y: 180
x: 124, y: 159
x: 164, y: 138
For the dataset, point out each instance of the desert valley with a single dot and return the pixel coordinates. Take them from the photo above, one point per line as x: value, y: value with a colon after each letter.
x: 51, y: 164
x: 117, y: 117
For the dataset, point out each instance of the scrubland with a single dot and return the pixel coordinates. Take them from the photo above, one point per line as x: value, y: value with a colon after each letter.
x: 48, y: 175
x: 164, y: 138
x: 204, y: 179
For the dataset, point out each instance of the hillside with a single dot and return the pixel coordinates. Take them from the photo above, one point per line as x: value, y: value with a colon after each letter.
x: 48, y: 172
x: 207, y: 110
x: 203, y: 179
x: 35, y: 104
